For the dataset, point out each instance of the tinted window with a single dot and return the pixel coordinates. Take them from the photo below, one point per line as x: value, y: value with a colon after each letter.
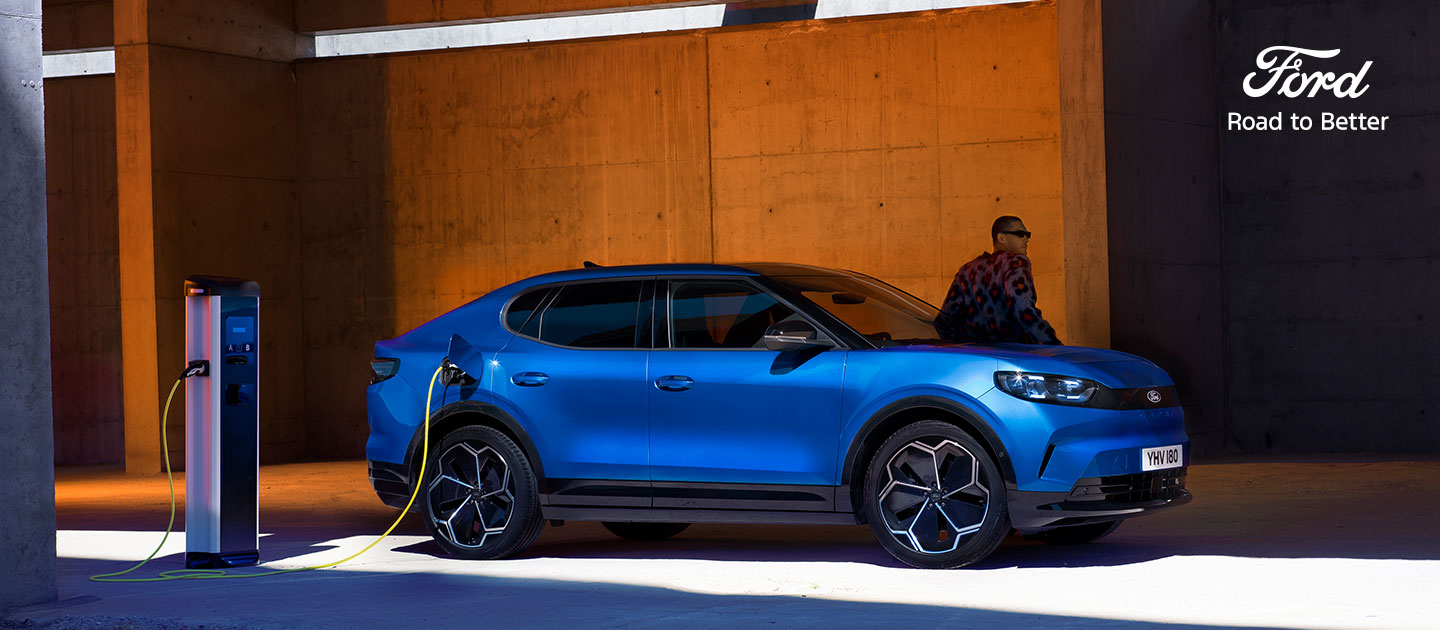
x: 721, y: 314
x: 593, y: 315
x: 884, y: 314
x: 521, y: 308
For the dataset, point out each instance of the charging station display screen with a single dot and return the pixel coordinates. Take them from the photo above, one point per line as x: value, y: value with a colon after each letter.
x: 239, y: 335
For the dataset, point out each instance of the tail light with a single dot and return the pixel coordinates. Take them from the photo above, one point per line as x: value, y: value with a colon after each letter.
x: 382, y: 368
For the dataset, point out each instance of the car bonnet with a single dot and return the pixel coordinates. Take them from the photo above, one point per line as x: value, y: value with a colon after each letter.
x: 1111, y: 367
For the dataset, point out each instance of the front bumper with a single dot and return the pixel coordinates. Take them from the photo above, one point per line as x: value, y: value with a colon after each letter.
x: 1097, y: 499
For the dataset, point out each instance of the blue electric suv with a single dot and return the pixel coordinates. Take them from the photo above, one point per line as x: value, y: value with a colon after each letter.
x: 651, y: 397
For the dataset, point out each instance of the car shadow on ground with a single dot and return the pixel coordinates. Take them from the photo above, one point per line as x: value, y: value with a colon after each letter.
x: 857, y: 544
x: 377, y: 599
x: 1313, y: 510
x: 295, y: 532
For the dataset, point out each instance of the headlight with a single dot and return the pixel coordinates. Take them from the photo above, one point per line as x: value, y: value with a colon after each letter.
x: 1048, y: 388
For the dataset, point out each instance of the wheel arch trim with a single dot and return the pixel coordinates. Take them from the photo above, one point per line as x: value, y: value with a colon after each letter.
x: 866, y: 441
x: 455, y: 415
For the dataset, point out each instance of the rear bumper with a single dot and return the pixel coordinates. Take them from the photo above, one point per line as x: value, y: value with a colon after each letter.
x: 1097, y: 499
x: 391, y: 483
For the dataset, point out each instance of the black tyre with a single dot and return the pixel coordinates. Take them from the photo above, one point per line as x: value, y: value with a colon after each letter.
x: 645, y: 531
x: 479, y: 495
x: 1076, y: 534
x: 934, y: 497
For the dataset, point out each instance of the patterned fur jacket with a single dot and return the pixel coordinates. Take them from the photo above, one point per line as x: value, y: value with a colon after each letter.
x: 993, y: 299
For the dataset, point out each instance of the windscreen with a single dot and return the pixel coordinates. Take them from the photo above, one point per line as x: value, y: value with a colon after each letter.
x: 882, y: 313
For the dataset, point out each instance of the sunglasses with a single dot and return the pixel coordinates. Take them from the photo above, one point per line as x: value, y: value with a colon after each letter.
x: 1019, y: 233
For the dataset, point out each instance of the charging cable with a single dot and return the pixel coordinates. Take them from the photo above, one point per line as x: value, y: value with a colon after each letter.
x: 201, y: 368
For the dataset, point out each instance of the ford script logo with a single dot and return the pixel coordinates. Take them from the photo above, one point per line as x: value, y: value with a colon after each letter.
x: 1290, y: 81
x: 1153, y: 396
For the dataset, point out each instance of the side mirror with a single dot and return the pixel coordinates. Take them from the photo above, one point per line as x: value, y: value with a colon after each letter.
x: 794, y: 335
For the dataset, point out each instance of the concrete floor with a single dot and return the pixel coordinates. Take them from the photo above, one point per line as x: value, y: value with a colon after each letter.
x: 1296, y: 544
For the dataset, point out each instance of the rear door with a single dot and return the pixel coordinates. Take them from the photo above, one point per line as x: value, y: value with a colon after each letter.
x: 576, y: 372
x: 732, y: 424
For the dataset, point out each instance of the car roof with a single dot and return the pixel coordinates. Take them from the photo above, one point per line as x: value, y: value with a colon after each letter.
x: 680, y: 269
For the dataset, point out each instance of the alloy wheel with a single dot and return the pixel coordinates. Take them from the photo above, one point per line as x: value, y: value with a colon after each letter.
x: 472, y: 496
x: 935, y: 495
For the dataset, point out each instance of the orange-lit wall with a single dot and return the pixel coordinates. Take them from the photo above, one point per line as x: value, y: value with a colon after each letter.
x: 80, y: 199
x: 888, y: 146
x: 884, y: 145
x: 370, y: 194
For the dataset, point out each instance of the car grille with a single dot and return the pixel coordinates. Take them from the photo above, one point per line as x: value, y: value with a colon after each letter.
x: 1144, y: 487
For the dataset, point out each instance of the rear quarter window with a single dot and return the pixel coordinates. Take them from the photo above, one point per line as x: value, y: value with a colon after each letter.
x: 521, y: 308
x: 592, y: 315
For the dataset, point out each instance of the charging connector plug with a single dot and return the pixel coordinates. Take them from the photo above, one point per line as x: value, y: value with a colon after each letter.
x: 198, y: 367
x: 451, y: 374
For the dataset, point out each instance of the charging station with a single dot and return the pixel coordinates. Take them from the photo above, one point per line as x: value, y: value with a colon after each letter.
x: 222, y: 422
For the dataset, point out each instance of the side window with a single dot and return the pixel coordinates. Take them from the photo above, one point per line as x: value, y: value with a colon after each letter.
x: 592, y: 315
x: 721, y: 314
x: 522, y: 307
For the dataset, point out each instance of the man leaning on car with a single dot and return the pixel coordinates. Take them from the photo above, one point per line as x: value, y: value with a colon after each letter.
x: 993, y: 296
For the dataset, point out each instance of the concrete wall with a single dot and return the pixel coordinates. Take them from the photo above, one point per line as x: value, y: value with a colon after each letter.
x: 82, y: 205
x: 208, y: 184
x: 1331, y: 261
x: 883, y: 145
x: 1276, y: 273
x: 888, y: 146
x: 368, y: 195
x: 27, y: 522
x: 72, y: 24
x: 433, y: 178
x: 347, y: 265
x: 1161, y: 162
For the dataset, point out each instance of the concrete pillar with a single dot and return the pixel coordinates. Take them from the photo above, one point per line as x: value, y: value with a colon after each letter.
x: 137, y: 257
x: 208, y: 184
x: 27, y: 522
x: 1082, y: 173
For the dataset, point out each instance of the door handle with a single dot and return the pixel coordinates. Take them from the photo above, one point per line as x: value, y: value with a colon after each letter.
x: 530, y: 379
x: 674, y: 383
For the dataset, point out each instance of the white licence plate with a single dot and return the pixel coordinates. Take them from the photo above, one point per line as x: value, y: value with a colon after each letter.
x: 1162, y: 457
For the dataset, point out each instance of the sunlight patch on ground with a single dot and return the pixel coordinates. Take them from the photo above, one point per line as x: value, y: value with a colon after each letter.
x: 1210, y: 590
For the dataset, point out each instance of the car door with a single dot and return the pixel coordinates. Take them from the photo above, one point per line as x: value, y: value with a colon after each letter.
x: 732, y: 424
x: 576, y: 372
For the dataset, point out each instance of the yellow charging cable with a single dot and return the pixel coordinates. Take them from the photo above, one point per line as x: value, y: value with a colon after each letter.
x: 220, y: 574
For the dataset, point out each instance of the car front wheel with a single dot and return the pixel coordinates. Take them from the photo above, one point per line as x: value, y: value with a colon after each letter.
x: 480, y: 497
x: 935, y: 498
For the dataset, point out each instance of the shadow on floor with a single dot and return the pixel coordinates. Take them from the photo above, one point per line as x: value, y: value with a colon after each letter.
x: 362, y: 599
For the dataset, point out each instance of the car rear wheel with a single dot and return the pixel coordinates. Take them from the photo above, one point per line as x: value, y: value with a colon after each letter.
x: 1076, y: 534
x: 480, y: 497
x: 935, y: 498
x: 645, y: 531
